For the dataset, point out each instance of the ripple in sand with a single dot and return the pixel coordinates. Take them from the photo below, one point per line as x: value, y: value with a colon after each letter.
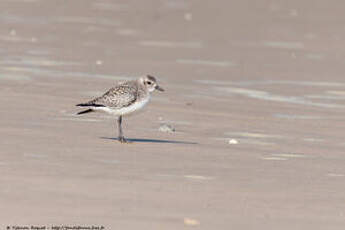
x: 313, y: 139
x: 336, y: 92
x: 17, y: 39
x: 29, y: 61
x: 78, y: 119
x: 259, y: 139
x: 314, y: 56
x: 126, y: 32
x: 335, y: 175
x: 263, y: 95
x: 170, y: 44
x: 273, y: 158
x: 176, y: 4
x: 326, y: 97
x: 307, y: 117
x: 7, y: 18
x: 72, y: 116
x: 108, y: 161
x: 249, y: 141
x: 39, y: 52
x: 162, y: 120
x: 289, y: 155
x: 171, y: 176
x: 198, y: 177
x: 88, y: 20
x: 14, y: 77
x: 24, y: 1
x: 283, y: 156
x: 60, y: 73
x: 110, y: 6
x: 253, y: 135
x: 256, y: 142
x: 273, y: 82
x: 296, y: 116
x: 284, y: 45
x: 91, y: 93
x: 206, y: 62
x: 330, y: 95
x: 32, y: 155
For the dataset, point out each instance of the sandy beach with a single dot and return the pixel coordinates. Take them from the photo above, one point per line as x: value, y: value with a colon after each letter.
x: 255, y: 91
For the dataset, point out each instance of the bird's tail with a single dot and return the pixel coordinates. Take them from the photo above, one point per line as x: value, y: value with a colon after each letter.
x: 88, y: 104
x: 84, y: 104
x: 85, y: 111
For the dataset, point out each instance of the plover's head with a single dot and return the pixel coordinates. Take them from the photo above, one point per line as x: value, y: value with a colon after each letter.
x: 150, y: 83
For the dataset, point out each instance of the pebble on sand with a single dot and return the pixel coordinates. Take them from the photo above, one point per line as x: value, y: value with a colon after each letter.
x: 190, y: 222
x: 233, y: 142
x: 166, y: 128
x: 188, y: 16
x: 99, y: 62
x: 13, y: 32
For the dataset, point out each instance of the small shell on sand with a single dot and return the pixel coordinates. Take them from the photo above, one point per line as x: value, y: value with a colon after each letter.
x: 13, y: 32
x: 166, y: 128
x: 233, y: 142
x: 188, y: 16
x: 190, y: 222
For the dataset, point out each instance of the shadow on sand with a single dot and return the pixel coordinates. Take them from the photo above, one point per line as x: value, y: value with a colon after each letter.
x: 133, y: 140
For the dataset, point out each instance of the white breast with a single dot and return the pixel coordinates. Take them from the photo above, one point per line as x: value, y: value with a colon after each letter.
x: 138, y: 105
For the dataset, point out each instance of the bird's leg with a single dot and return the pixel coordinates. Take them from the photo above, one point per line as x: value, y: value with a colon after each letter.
x: 121, y: 137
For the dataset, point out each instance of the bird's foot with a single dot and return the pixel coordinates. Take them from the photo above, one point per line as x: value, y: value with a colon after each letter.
x: 123, y: 140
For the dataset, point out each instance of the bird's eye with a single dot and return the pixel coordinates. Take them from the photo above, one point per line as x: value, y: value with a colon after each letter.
x: 149, y: 83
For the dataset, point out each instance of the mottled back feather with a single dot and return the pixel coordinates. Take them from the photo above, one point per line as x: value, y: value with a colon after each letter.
x: 122, y: 95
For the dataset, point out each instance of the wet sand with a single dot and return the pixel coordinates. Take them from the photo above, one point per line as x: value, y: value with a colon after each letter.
x: 254, y: 89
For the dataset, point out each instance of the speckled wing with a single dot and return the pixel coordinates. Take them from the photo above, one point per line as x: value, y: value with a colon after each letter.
x: 120, y: 96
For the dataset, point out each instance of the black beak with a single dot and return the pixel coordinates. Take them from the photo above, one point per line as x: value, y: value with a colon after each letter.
x: 159, y: 88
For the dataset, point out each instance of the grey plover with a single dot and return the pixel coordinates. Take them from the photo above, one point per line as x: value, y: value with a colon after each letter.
x: 123, y: 99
